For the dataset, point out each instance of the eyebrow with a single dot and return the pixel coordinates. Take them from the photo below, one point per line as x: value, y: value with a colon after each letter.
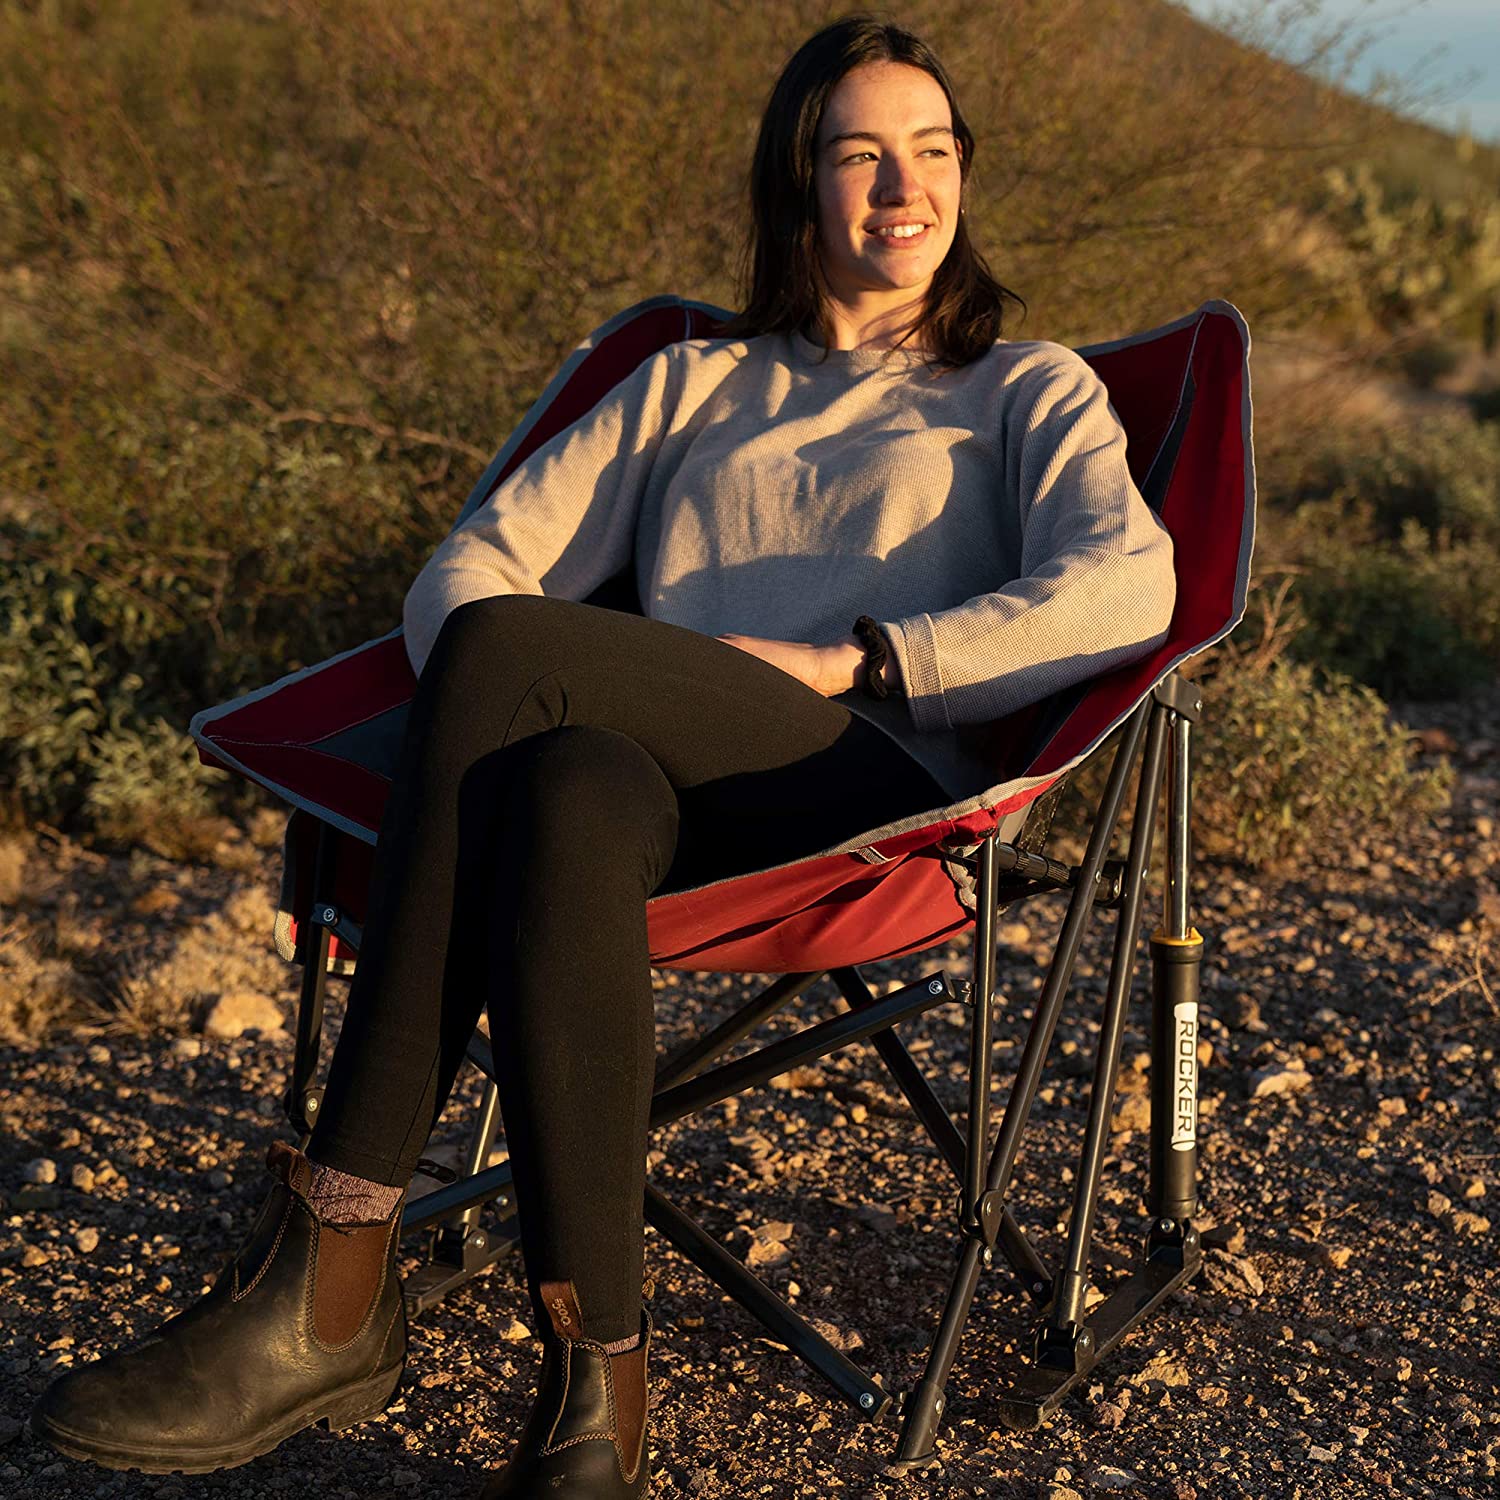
x: 866, y: 135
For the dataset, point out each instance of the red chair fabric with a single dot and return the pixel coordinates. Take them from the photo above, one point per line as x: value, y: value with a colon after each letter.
x: 323, y: 739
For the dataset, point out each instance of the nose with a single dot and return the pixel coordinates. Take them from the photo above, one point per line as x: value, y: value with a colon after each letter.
x: 897, y: 180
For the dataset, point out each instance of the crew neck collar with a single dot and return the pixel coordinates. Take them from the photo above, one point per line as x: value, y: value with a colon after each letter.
x: 809, y: 353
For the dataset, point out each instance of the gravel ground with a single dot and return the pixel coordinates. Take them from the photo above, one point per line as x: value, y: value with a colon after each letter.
x: 1337, y: 1344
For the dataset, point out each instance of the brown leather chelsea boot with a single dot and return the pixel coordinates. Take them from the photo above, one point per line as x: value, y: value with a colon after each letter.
x: 305, y: 1324
x: 586, y: 1436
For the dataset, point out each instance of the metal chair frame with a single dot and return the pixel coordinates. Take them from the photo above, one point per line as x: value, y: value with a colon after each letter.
x: 1070, y: 1340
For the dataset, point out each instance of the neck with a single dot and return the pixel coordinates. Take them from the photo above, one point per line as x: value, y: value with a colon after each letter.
x: 872, y: 320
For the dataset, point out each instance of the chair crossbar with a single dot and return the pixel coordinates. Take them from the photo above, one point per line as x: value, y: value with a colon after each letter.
x: 802, y: 1047
x: 691, y: 1059
x: 865, y: 1393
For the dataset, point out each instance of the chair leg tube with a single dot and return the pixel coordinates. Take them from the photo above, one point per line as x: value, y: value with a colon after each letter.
x: 981, y: 1038
x: 303, y: 1097
x: 1060, y: 1334
x: 923, y: 1409
x: 1049, y: 1006
x: 1176, y: 962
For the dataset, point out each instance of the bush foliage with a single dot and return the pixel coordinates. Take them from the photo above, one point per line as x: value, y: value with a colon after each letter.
x: 1392, y: 536
x: 277, y: 276
x: 1296, y: 763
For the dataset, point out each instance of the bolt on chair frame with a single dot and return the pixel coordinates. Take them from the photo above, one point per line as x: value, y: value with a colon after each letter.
x: 1069, y: 1339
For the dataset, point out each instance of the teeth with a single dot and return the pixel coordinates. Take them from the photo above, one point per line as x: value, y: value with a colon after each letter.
x: 901, y: 231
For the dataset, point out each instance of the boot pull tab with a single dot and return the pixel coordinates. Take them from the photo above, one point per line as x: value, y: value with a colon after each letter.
x: 561, y: 1298
x: 290, y: 1165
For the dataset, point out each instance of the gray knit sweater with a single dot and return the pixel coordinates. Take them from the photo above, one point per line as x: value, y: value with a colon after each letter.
x: 984, y: 516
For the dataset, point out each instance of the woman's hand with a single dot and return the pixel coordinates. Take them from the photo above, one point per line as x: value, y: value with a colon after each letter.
x: 825, y: 669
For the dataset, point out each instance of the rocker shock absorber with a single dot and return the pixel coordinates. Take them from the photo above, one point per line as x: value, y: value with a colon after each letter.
x: 1176, y: 960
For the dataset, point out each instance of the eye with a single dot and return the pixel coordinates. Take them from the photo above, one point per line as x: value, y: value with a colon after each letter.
x: 846, y: 160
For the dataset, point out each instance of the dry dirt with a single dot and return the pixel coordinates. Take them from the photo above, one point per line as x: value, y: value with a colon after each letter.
x: 1339, y: 1343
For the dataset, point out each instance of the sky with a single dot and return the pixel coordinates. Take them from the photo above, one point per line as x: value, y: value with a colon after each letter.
x: 1451, y: 45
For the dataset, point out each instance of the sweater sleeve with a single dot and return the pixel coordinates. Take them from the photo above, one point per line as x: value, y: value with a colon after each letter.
x: 563, y: 521
x: 1096, y: 584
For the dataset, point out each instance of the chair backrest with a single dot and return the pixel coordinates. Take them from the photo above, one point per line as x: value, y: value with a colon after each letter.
x: 1181, y: 393
x: 326, y: 739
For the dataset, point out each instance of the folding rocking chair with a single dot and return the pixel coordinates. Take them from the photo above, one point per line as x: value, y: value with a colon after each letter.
x: 325, y: 740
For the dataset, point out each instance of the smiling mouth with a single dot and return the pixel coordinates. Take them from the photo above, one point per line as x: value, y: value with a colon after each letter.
x: 900, y: 234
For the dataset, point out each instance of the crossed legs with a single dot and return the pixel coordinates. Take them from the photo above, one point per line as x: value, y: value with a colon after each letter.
x: 563, y: 762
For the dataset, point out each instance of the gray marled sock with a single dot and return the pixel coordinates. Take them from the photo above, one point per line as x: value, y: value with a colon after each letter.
x: 342, y: 1198
x: 621, y: 1345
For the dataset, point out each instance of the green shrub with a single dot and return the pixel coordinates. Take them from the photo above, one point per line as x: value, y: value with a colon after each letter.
x: 1391, y: 540
x: 1440, y: 470
x: 1408, y: 619
x: 1296, y: 763
x: 148, y: 788
x: 80, y: 737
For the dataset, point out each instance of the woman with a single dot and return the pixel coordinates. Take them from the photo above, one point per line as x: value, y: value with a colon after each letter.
x: 858, y: 443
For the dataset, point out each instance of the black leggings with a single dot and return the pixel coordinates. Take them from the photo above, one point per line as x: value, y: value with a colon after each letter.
x: 562, y: 762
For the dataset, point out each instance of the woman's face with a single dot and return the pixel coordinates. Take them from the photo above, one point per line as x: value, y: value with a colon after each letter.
x: 888, y: 182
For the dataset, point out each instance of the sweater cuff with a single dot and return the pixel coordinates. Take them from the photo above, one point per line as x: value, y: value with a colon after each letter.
x: 914, y: 646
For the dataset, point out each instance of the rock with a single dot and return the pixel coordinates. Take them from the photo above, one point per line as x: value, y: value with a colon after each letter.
x: 1280, y: 1078
x: 1392, y: 1109
x: 10, y: 1430
x: 1213, y: 1395
x: 33, y: 1256
x: 82, y: 1177
x: 1322, y: 1455
x: 1244, y: 1013
x: 236, y: 1013
x: 42, y: 1170
x: 1439, y: 1205
x: 99, y: 1055
x: 1230, y: 1237
x: 840, y: 1338
x: 1014, y: 934
x: 1474, y: 1188
x: 877, y: 1216
x: 1134, y: 1112
x: 1105, y: 1477
x: 1234, y: 1275
x: 188, y: 1046
x: 1337, y: 1256
x: 34, y: 1198
x: 1467, y: 1223
x: 1107, y: 1415
x: 513, y: 1330
x: 1047, y: 1490
x: 1162, y: 1370
x: 87, y: 1240
x: 768, y: 1246
x: 798, y: 1078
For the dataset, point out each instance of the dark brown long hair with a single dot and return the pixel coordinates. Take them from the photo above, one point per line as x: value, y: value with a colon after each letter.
x: 965, y: 305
